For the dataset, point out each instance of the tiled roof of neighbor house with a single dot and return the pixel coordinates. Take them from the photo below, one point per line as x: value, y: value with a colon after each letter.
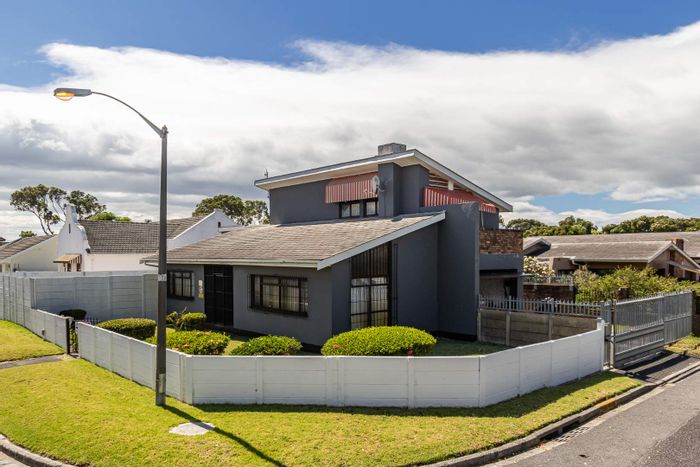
x: 307, y: 244
x: 108, y: 237
x: 20, y: 245
x: 610, y: 251
x: 692, y: 239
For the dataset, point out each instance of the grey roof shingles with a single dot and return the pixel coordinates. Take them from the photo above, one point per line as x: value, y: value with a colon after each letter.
x: 19, y: 245
x: 692, y: 239
x: 293, y: 243
x: 108, y: 237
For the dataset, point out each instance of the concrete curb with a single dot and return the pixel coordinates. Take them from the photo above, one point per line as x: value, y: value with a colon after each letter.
x: 557, y: 428
x: 27, y: 457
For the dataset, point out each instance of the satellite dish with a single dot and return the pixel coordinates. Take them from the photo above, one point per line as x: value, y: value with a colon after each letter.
x: 376, y: 184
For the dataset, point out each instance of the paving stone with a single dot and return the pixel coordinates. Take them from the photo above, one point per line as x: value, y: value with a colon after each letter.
x: 192, y: 429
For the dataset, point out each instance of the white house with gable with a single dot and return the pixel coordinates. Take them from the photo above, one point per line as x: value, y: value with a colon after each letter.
x: 85, y: 245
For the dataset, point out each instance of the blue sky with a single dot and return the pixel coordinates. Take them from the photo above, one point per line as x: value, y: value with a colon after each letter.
x: 268, y: 32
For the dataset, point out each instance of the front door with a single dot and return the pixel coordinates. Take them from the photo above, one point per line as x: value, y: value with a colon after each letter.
x: 218, y: 294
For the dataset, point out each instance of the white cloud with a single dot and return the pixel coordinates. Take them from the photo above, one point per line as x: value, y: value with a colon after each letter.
x: 619, y: 117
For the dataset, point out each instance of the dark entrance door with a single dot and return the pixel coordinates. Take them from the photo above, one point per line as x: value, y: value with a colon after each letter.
x: 218, y: 294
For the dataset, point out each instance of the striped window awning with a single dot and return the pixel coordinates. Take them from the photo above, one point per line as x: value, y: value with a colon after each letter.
x: 442, y: 197
x: 351, y: 188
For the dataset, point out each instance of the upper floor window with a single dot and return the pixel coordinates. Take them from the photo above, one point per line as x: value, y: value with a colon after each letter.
x: 358, y: 208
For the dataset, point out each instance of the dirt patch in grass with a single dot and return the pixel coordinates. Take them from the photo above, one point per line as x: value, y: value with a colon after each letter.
x: 18, y: 343
x: 101, y: 419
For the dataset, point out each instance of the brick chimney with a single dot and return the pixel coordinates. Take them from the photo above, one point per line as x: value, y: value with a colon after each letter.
x: 679, y: 242
x: 390, y: 148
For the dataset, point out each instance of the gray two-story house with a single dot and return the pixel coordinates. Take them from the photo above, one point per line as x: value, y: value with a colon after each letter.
x: 393, y: 239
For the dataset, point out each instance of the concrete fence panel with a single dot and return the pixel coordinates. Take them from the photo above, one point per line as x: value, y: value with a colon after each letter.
x: 468, y: 381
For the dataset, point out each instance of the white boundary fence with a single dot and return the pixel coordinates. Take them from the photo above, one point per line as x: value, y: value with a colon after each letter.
x: 103, y: 295
x: 50, y: 327
x: 351, y: 381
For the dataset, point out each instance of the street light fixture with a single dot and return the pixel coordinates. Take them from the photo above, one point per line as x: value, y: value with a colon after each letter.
x: 66, y: 94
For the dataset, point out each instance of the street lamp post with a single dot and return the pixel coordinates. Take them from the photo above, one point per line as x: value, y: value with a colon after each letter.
x: 66, y: 94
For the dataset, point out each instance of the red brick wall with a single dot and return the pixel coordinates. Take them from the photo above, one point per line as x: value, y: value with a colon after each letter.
x: 501, y: 241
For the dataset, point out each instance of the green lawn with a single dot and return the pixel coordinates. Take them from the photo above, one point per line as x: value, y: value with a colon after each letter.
x: 18, y: 343
x: 454, y: 347
x: 82, y: 414
x: 689, y: 345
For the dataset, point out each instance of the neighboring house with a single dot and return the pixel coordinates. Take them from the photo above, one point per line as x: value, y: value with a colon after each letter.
x: 120, y: 246
x: 2, y: 241
x: 29, y: 254
x: 393, y: 239
x: 673, y: 254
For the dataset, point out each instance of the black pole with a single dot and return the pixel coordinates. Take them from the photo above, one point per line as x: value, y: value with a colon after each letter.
x: 162, y: 271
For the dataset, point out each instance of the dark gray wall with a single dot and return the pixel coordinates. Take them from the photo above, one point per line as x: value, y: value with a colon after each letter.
x: 301, y: 203
x: 340, y: 276
x: 458, y: 268
x: 489, y: 220
x: 193, y: 306
x: 390, y: 193
x: 415, y: 279
x: 314, y: 329
x: 413, y: 179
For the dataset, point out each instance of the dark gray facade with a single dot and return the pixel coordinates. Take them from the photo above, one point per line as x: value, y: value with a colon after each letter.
x: 436, y: 271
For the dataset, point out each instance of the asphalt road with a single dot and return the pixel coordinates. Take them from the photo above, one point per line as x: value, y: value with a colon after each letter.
x: 659, y: 429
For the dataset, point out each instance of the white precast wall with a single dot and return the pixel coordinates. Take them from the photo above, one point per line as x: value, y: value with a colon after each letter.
x: 352, y: 381
x: 103, y: 295
x: 49, y: 326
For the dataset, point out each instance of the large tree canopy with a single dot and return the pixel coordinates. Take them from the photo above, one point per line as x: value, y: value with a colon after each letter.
x: 46, y: 203
x: 654, y: 224
x: 245, y: 212
x: 568, y: 226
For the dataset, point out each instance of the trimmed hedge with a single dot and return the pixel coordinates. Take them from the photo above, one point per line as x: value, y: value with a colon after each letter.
x: 172, y: 318
x: 192, y: 320
x: 76, y: 314
x: 138, y: 328
x: 195, y: 342
x: 268, y: 345
x: 380, y: 341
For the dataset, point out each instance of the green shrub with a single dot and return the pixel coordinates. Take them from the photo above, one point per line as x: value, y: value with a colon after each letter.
x: 76, y: 314
x: 138, y: 328
x: 380, y: 340
x: 191, y: 320
x: 172, y: 318
x: 268, y: 345
x: 195, y: 342
x: 641, y: 283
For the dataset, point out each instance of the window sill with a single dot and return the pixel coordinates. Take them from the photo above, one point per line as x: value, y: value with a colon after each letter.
x: 296, y: 314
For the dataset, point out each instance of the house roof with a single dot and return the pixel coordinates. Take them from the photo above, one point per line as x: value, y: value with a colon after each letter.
x: 617, y: 251
x: 314, y: 244
x: 370, y: 164
x: 692, y: 239
x: 109, y: 237
x: 20, y: 245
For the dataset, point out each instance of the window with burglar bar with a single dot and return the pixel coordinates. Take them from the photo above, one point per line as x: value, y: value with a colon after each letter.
x: 370, y: 288
x: 180, y: 284
x: 284, y: 294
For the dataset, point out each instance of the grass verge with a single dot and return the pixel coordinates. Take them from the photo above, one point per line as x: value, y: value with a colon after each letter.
x: 18, y: 343
x: 101, y: 419
x: 689, y: 345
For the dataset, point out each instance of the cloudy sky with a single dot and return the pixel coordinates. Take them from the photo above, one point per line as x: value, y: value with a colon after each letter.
x: 592, y: 111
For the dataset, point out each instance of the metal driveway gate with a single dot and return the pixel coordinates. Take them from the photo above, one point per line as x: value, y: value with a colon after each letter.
x: 645, y: 325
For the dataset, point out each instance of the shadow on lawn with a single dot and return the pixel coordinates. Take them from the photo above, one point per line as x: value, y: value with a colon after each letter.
x: 252, y: 449
x: 513, y: 408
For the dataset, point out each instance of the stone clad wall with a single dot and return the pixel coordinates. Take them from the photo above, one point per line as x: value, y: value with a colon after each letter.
x: 501, y: 241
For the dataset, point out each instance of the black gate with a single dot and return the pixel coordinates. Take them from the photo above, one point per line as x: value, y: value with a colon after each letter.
x: 218, y: 294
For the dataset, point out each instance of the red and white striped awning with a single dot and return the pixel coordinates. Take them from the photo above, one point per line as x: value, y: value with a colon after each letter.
x: 351, y: 188
x: 442, y: 197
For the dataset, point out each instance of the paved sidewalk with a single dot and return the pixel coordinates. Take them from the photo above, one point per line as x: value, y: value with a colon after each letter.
x: 658, y: 429
x: 33, y: 361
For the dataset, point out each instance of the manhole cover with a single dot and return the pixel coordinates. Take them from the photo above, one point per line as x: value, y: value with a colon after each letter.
x: 192, y: 429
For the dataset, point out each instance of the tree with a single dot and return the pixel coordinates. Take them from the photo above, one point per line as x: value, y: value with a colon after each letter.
x: 108, y: 216
x: 244, y: 212
x: 654, y: 224
x: 27, y: 234
x: 46, y: 203
x: 568, y: 226
x: 524, y: 224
